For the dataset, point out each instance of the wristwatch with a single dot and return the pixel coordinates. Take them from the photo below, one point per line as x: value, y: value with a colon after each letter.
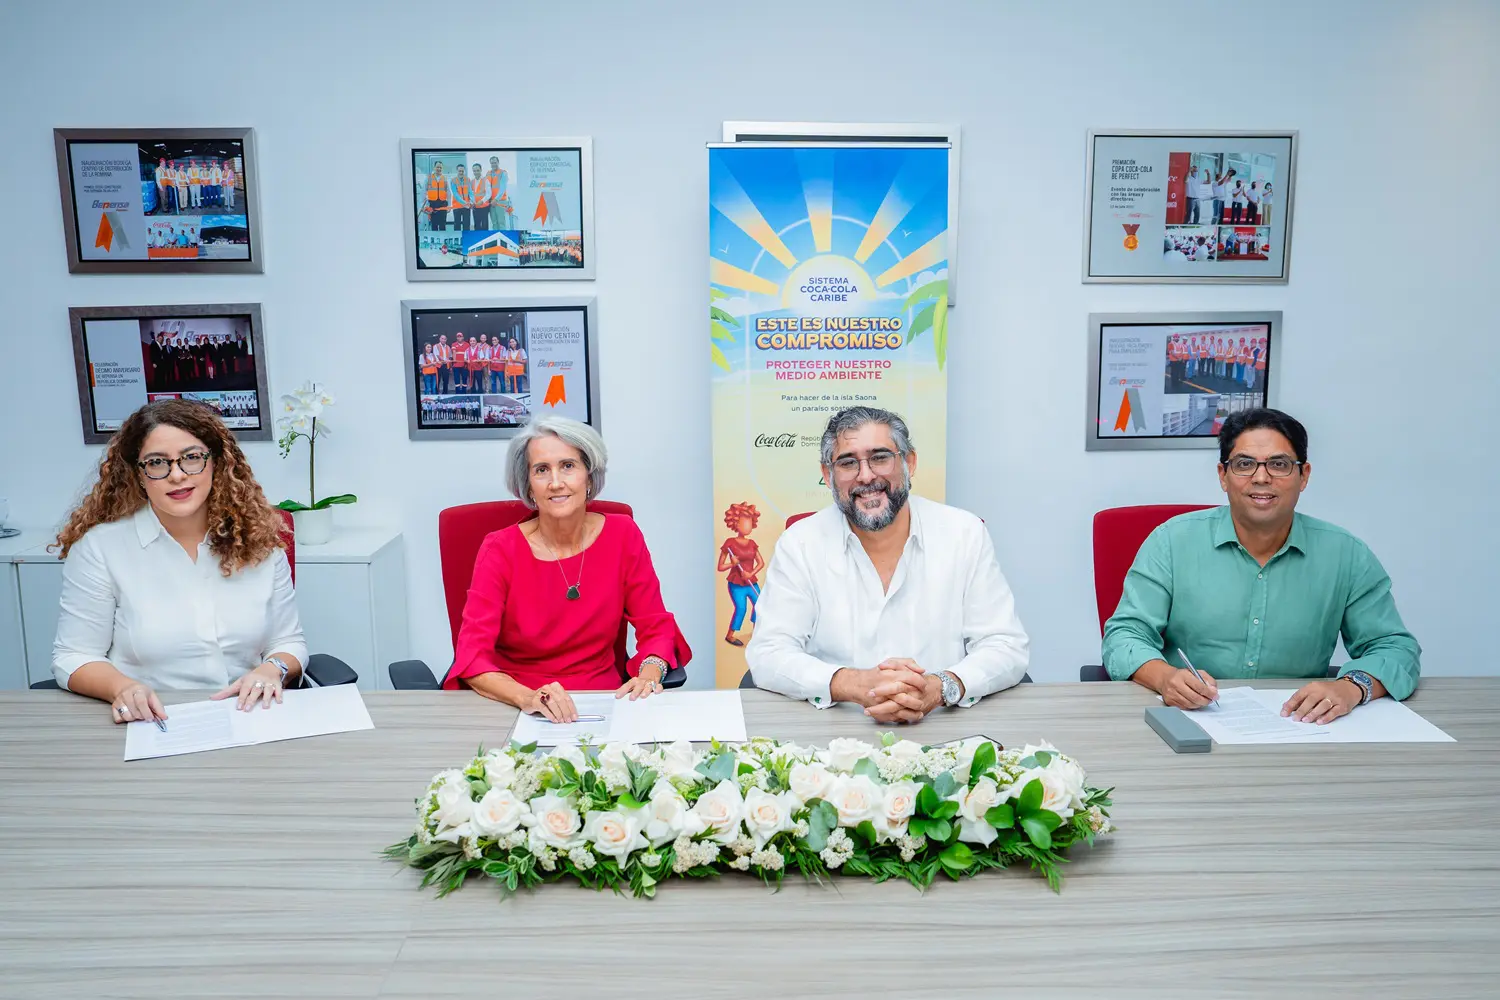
x: 1363, y: 681
x: 280, y: 665
x: 951, y: 691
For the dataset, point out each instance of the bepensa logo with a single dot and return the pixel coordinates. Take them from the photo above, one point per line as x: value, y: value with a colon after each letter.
x: 113, y: 206
x: 775, y: 440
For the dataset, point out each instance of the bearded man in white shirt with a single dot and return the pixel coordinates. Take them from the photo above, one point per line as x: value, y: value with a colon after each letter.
x: 888, y: 600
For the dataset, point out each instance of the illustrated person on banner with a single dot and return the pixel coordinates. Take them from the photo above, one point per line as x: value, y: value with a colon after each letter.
x: 885, y: 599
x: 740, y: 557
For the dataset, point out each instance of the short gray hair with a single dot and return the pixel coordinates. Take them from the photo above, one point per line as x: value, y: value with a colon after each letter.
x: 580, y: 436
x: 854, y: 417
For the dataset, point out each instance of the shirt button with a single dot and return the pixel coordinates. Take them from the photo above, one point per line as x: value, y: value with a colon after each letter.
x: 1256, y: 622
x: 1260, y: 576
x: 816, y: 699
x: 1249, y: 663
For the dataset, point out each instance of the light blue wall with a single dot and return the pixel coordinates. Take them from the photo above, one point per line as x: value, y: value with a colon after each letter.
x: 1389, y: 355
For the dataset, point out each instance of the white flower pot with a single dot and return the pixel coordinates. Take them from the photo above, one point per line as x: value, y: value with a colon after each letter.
x: 313, y: 527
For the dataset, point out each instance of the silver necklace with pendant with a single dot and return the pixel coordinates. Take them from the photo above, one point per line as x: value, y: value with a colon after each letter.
x: 573, y: 592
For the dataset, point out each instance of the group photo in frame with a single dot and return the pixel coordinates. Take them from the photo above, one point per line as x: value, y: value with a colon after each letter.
x: 1185, y: 207
x: 1169, y: 380
x: 482, y: 368
x: 127, y: 356
x: 168, y: 200
x: 489, y: 209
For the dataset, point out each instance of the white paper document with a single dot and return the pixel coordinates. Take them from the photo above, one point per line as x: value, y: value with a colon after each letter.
x: 1248, y: 716
x: 216, y: 725
x: 697, y: 716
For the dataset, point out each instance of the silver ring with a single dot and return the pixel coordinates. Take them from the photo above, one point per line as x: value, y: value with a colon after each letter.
x: 260, y: 684
x: 120, y: 709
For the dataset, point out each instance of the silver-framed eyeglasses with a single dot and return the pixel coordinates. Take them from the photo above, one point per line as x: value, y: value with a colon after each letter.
x: 881, y: 463
x: 1279, y: 467
x: 191, y: 464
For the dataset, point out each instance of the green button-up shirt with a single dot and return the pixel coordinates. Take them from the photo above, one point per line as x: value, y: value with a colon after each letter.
x: 1194, y: 589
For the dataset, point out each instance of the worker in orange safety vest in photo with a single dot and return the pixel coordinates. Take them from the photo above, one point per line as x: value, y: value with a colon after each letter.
x: 481, y: 197
x: 438, y: 197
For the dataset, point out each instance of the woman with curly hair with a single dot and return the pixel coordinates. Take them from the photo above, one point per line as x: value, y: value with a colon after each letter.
x: 174, y: 573
x: 741, y: 558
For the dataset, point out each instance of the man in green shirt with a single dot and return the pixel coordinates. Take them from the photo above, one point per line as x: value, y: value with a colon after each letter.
x: 1255, y: 589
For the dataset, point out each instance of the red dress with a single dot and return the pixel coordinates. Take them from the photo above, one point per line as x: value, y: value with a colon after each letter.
x: 517, y: 618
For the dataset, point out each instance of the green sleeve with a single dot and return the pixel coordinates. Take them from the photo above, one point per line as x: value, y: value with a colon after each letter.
x: 1133, y: 634
x: 1373, y: 631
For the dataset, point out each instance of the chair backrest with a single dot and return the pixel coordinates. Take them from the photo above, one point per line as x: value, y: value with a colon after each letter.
x: 797, y: 517
x: 289, y: 532
x: 1118, y: 534
x: 461, y: 530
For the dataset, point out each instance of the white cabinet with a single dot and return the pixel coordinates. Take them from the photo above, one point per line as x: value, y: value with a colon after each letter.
x: 351, y: 595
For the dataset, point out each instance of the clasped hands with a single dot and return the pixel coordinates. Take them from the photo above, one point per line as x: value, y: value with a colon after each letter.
x: 895, y: 691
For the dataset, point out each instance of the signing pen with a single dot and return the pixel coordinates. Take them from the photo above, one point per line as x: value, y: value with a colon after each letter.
x: 581, y: 718
x: 1201, y: 679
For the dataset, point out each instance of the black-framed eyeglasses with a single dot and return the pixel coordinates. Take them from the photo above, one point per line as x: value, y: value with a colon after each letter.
x: 1278, y: 467
x: 881, y: 463
x: 191, y: 464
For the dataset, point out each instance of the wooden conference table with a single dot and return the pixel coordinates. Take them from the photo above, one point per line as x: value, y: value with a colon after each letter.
x: 1350, y: 871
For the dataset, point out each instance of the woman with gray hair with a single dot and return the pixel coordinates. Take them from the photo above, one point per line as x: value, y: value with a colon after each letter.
x: 550, y: 595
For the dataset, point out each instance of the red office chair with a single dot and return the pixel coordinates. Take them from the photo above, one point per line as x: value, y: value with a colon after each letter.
x: 747, y: 682
x: 321, y: 668
x: 1118, y: 535
x: 461, y: 531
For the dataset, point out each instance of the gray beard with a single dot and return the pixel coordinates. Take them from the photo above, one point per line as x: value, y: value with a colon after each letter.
x: 895, y: 495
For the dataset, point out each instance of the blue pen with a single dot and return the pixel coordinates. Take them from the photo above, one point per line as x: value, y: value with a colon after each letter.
x: 1201, y: 679
x: 160, y: 725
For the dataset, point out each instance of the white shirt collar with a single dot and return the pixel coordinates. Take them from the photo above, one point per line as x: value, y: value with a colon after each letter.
x: 915, y: 537
x: 147, y: 525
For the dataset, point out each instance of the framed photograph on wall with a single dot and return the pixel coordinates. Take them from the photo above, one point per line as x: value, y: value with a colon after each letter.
x: 127, y: 356
x: 481, y: 368
x: 1181, y: 207
x: 170, y: 200
x: 1168, y: 380
x: 485, y: 209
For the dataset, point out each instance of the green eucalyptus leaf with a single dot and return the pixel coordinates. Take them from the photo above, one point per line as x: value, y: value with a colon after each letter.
x: 1030, y: 799
x: 957, y: 857
x: 928, y: 800
x: 1037, y: 831
x: 939, y: 830
x: 867, y: 767
x: 947, y: 809
x: 1001, y: 817
x: 945, y: 784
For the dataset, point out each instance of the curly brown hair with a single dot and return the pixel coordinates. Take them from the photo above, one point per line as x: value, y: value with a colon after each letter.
x: 735, y: 511
x: 243, y: 528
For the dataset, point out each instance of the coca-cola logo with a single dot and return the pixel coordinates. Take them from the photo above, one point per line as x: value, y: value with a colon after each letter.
x: 775, y: 440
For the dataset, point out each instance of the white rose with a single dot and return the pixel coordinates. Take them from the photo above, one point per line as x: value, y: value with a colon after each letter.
x: 810, y: 781
x: 973, y: 803
x: 843, y: 753
x: 720, y: 810
x: 896, y: 808
x: 556, y: 822
x: 667, y: 815
x: 612, y: 761
x: 454, y: 803
x: 679, y: 760
x: 857, y: 798
x: 498, y: 813
x: 573, y: 755
x: 614, y: 834
x: 499, y: 769
x: 1070, y: 775
x: 1057, y: 794
x: 766, y: 815
x: 905, y: 751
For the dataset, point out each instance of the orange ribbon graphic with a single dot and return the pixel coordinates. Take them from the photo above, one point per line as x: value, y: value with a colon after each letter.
x: 106, y: 235
x: 541, y: 209
x: 1124, y: 417
x: 555, y: 392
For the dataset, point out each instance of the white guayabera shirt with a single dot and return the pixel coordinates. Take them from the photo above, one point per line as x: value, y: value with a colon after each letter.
x: 132, y: 597
x: 948, y: 607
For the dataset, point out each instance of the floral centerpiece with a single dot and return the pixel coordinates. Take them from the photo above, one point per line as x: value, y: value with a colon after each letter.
x: 302, y: 417
x: 627, y: 817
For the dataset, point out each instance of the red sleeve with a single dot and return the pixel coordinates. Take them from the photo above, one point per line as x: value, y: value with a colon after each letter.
x: 656, y: 631
x: 484, y: 613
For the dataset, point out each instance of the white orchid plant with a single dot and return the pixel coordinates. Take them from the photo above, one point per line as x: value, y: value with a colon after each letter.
x: 627, y: 817
x: 302, y: 417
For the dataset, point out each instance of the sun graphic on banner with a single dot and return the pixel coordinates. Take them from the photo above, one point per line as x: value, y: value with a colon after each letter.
x: 844, y: 262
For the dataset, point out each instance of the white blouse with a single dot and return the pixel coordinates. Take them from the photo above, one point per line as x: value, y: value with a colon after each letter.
x: 132, y: 597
